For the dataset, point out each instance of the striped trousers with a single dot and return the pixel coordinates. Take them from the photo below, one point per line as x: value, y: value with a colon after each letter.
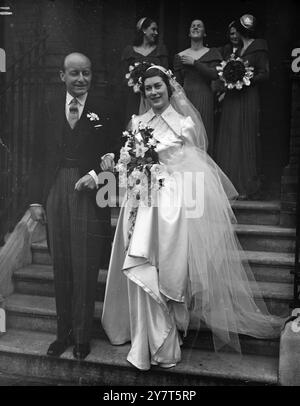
x: 78, y: 239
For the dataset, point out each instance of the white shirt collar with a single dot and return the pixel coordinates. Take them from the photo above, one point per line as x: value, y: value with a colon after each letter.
x: 81, y: 99
x: 150, y: 113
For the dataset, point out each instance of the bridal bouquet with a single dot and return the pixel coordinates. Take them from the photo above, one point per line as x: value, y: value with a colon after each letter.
x: 235, y: 73
x: 135, y: 73
x: 139, y: 171
x: 138, y: 166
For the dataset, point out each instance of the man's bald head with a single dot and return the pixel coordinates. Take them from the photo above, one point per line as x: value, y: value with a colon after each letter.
x: 77, y: 73
x: 76, y: 57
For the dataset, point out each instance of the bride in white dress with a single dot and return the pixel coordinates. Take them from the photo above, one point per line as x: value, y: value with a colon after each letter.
x: 181, y: 269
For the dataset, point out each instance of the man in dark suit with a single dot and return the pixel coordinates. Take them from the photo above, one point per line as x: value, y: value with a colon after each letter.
x: 72, y: 145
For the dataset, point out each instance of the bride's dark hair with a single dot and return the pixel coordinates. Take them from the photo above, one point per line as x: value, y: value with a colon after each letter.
x: 150, y: 73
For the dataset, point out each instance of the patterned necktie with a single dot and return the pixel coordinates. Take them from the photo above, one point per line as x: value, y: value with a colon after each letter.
x: 73, y: 113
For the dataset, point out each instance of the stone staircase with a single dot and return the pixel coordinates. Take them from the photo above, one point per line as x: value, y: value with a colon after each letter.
x: 31, y: 321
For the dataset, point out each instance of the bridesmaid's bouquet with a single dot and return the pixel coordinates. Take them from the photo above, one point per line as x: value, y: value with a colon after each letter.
x: 135, y: 73
x: 138, y: 166
x: 235, y: 73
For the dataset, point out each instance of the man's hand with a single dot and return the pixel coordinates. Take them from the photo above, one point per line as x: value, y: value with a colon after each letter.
x: 85, y: 183
x: 38, y: 213
x: 107, y: 163
x: 187, y: 60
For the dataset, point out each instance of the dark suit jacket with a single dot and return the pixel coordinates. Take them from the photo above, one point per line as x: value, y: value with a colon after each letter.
x: 48, y: 146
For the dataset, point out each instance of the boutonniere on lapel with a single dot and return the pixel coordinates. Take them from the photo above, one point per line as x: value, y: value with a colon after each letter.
x: 93, y: 117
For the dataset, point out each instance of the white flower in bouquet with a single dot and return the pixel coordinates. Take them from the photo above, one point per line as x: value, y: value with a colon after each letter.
x: 136, y: 88
x: 122, y: 177
x: 220, y: 68
x: 152, y: 142
x: 158, y: 175
x: 135, y: 178
x: 126, y: 134
x: 247, y: 81
x: 126, y: 147
x: 140, y: 150
x: 138, y: 137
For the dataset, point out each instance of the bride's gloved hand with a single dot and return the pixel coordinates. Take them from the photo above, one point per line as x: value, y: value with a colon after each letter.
x: 107, y: 163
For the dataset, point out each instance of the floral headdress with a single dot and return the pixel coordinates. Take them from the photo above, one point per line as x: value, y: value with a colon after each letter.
x: 135, y: 74
x: 167, y: 72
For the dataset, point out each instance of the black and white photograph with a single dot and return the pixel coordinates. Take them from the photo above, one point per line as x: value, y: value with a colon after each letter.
x: 149, y: 196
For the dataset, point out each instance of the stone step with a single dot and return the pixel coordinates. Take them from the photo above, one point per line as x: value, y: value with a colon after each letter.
x: 37, y: 313
x: 251, y: 237
x: 272, y: 267
x: 246, y: 212
x: 257, y: 212
x: 23, y: 352
x: 266, y: 238
x: 40, y: 253
x: 38, y: 280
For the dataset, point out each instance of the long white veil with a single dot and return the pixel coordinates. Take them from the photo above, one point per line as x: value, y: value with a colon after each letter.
x: 223, y: 292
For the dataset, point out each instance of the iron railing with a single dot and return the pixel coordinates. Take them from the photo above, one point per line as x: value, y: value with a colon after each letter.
x: 21, y: 92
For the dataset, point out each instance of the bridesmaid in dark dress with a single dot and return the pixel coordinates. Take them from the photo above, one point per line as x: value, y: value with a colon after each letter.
x: 145, y: 48
x: 234, y: 44
x: 239, y: 131
x: 195, y: 69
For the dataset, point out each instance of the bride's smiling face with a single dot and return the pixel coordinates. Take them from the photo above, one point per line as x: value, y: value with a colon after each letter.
x: 156, y: 92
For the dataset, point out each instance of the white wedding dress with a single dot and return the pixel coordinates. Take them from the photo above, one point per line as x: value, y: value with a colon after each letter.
x: 182, y: 269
